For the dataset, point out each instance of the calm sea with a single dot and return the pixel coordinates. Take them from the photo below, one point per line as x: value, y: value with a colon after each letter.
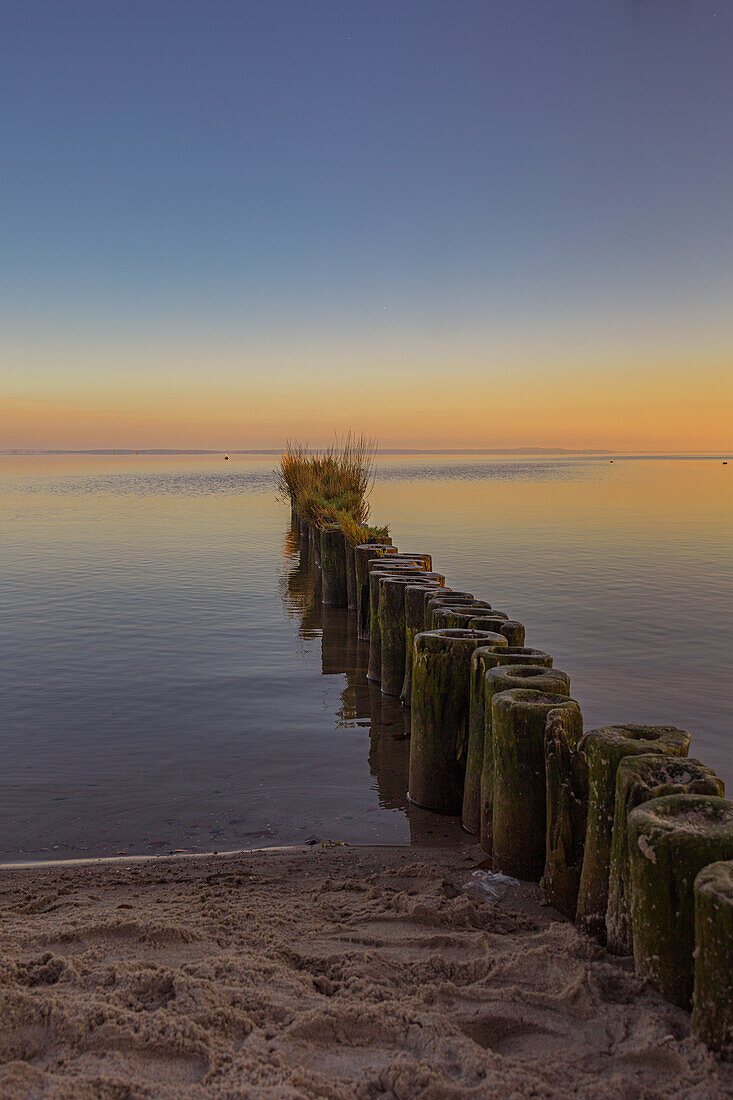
x: 168, y: 681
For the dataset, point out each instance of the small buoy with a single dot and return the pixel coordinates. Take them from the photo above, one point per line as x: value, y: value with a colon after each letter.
x: 226, y: 458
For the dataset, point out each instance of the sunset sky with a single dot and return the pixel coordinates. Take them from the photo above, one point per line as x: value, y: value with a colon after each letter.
x: 457, y: 223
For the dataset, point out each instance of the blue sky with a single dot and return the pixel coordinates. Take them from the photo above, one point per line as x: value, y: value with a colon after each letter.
x: 283, y: 186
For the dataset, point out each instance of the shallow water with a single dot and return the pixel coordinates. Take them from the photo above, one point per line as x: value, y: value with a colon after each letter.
x: 169, y: 681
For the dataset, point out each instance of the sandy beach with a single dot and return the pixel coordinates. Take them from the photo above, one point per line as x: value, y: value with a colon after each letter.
x: 329, y: 971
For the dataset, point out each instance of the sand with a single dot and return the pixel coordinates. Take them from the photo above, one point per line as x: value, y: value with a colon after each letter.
x: 330, y: 972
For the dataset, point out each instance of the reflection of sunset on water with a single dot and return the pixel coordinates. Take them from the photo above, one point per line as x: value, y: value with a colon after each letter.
x: 156, y: 605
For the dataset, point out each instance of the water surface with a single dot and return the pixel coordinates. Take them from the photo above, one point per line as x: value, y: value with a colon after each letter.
x: 170, y: 682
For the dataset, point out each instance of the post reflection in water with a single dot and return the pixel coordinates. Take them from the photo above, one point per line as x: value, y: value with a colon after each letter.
x: 159, y: 692
x: 301, y: 589
x: 361, y: 704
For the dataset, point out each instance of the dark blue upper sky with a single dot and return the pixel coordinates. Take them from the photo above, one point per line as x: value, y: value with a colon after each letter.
x: 295, y: 167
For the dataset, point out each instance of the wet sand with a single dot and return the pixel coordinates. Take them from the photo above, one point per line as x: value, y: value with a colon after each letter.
x: 329, y: 972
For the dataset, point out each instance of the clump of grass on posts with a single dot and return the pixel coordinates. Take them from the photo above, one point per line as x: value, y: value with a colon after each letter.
x: 333, y: 485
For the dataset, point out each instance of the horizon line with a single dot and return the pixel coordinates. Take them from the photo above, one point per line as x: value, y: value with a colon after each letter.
x: 526, y: 450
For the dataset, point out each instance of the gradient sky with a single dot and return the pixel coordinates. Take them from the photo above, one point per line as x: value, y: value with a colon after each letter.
x: 446, y: 223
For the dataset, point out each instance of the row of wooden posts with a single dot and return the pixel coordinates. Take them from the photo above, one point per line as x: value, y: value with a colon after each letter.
x: 628, y: 836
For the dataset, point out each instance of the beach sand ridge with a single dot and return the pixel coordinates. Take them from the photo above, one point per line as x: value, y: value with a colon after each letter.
x: 329, y: 972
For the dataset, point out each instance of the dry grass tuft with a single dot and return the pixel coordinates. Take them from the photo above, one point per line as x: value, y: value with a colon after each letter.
x: 333, y: 485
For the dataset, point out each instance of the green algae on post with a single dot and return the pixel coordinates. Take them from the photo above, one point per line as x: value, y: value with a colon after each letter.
x: 712, y: 1001
x: 333, y: 566
x: 510, y: 628
x: 416, y: 597
x: 440, y: 676
x: 442, y: 604
x: 445, y: 599
x: 424, y: 560
x: 566, y: 777
x: 604, y: 749
x: 520, y: 807
x: 402, y: 564
x: 483, y: 659
x: 538, y: 676
x: 400, y: 569
x: 492, y: 616
x: 639, y: 779
x: 363, y: 554
x: 671, y: 839
x: 374, y: 541
x: 391, y: 613
x: 447, y: 617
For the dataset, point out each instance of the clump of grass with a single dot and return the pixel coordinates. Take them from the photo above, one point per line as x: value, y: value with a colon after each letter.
x: 292, y: 470
x: 333, y: 485
x: 357, y: 533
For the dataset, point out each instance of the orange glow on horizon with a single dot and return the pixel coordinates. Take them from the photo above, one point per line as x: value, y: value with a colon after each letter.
x: 170, y: 401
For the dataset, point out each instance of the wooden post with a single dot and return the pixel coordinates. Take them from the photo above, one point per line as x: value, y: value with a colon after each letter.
x: 509, y: 677
x: 483, y: 659
x: 604, y: 749
x: 639, y: 779
x: 440, y: 676
x: 671, y: 840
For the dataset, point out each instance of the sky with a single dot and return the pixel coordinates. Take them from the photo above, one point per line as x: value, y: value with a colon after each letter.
x: 470, y: 224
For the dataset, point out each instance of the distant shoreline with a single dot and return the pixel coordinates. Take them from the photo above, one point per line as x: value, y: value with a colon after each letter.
x: 545, y: 451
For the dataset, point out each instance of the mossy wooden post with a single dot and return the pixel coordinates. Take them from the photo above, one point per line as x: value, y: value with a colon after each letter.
x: 416, y: 597
x: 520, y: 804
x: 482, y: 660
x: 314, y: 543
x: 363, y: 554
x: 671, y: 840
x: 510, y: 628
x: 566, y: 794
x: 605, y: 748
x: 538, y: 677
x: 712, y: 1001
x: 424, y: 560
x: 443, y: 603
x: 350, y: 575
x: 401, y: 569
x: 457, y: 617
x: 639, y: 779
x: 394, y: 562
x: 375, y: 541
x: 442, y: 600
x: 333, y: 566
x: 440, y: 676
x: 391, y: 613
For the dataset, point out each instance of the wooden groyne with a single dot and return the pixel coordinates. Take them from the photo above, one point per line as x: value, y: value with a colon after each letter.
x: 626, y: 835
